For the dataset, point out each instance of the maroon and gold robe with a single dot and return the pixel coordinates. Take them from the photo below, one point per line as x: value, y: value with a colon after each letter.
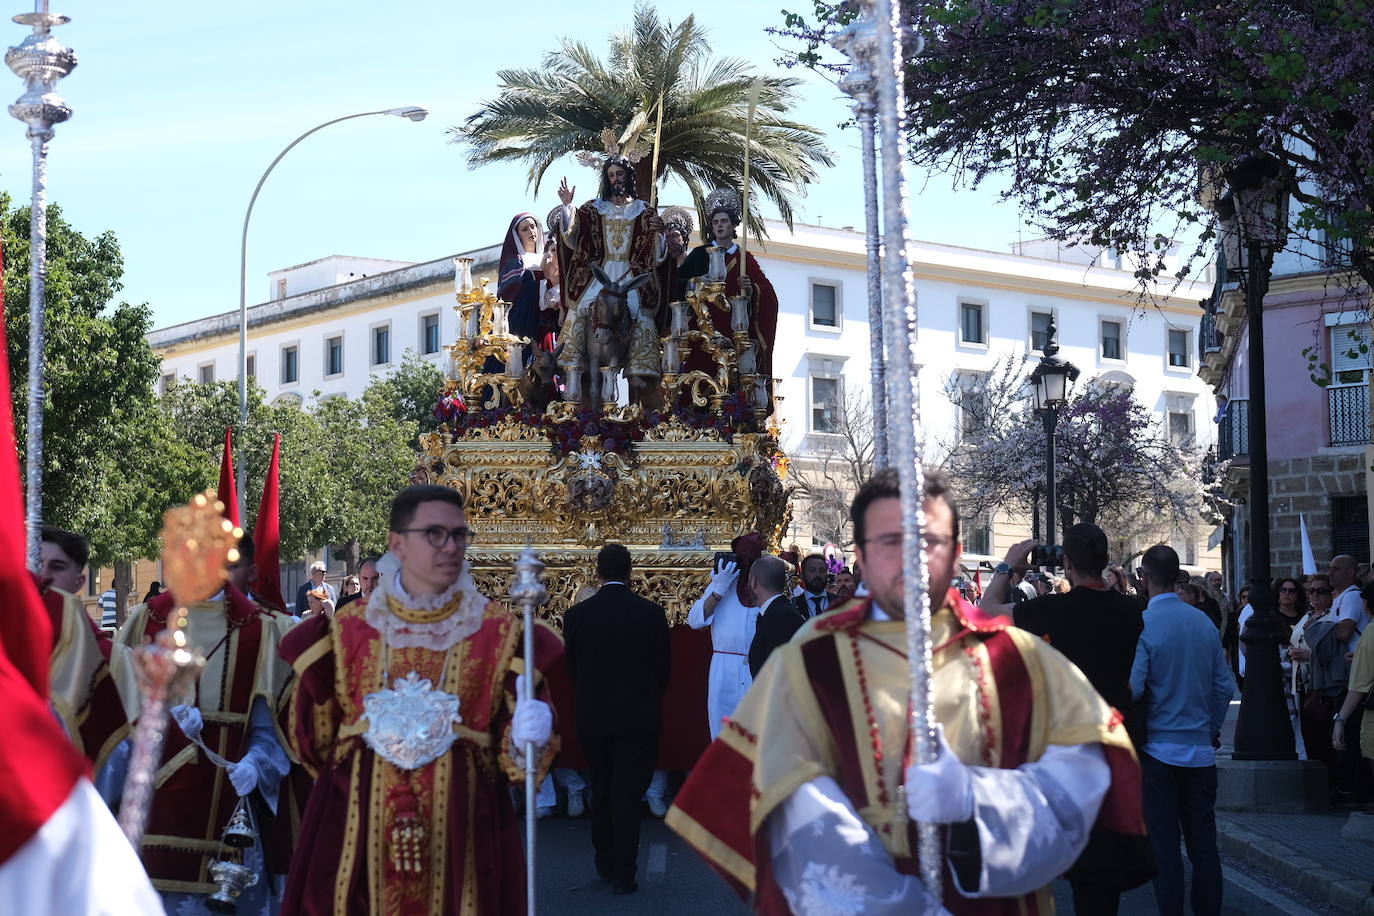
x: 194, y: 799
x: 765, y: 308
x: 472, y: 859
x: 83, y: 694
x: 833, y: 703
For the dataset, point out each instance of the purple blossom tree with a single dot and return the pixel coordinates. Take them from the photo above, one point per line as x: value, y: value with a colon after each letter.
x: 1111, y: 121
x: 1115, y: 466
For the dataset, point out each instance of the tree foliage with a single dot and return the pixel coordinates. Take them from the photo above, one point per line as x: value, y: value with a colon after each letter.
x: 1106, y: 119
x: 111, y: 465
x: 1113, y: 460
x: 544, y: 113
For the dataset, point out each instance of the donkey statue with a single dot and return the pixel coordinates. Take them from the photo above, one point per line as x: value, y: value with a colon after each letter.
x: 609, y: 330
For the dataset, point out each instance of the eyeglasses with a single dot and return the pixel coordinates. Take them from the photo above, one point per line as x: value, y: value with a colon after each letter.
x: 1318, y: 591
x: 1287, y: 588
x: 438, y: 536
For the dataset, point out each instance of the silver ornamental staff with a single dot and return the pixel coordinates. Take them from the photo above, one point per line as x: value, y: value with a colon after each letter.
x: 40, y: 60
x: 903, y: 397
x: 857, y: 41
x: 529, y: 592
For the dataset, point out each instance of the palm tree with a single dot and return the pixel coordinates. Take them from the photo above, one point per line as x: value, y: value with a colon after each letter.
x: 565, y: 106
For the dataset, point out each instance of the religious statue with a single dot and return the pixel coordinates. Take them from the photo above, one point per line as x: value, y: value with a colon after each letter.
x: 723, y: 217
x: 620, y: 236
x: 524, y: 282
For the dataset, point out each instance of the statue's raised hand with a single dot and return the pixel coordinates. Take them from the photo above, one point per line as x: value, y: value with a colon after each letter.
x: 566, y: 193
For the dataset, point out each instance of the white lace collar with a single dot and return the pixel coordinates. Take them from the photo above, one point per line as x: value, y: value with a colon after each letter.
x: 619, y: 211
x: 439, y: 635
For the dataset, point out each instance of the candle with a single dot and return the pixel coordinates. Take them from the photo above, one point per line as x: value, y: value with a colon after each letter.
x: 670, y: 354
x: 715, y: 271
x: 739, y: 314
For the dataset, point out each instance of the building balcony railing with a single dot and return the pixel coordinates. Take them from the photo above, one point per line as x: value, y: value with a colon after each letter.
x: 1348, y: 408
x: 1208, y: 338
x: 1233, y: 433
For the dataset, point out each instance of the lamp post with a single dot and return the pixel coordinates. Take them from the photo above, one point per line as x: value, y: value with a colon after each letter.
x: 858, y: 41
x: 40, y: 60
x: 1253, y: 217
x: 1049, y: 383
x: 411, y: 112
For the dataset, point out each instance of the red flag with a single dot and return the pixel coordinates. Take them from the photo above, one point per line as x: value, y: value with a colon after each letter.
x: 267, y: 536
x: 38, y: 765
x: 228, y: 492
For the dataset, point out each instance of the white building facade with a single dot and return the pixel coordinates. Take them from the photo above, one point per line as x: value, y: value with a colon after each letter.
x: 333, y: 324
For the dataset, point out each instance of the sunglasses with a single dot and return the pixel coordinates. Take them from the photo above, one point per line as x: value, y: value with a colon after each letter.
x: 1319, y: 591
x: 1288, y: 588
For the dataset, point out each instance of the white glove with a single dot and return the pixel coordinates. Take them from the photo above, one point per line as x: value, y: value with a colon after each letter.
x: 189, y: 720
x: 724, y: 578
x: 940, y: 792
x: 245, y: 775
x: 532, y: 722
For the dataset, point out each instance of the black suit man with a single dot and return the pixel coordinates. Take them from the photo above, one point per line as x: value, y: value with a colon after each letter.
x: 617, y: 655
x: 815, y: 575
x: 781, y: 616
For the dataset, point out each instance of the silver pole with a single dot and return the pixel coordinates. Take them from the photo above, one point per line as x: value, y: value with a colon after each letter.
x: 904, y: 399
x: 857, y: 41
x: 40, y: 60
x: 529, y: 592
x: 412, y: 112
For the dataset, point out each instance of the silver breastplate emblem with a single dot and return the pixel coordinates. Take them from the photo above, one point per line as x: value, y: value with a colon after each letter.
x: 410, y: 724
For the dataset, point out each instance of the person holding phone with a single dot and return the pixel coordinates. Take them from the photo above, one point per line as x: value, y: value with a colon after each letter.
x: 729, y: 608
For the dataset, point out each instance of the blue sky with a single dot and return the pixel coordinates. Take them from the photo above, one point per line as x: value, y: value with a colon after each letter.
x: 180, y: 106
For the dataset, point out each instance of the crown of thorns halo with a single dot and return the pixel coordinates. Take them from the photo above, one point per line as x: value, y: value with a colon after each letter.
x: 679, y: 218
x: 632, y: 152
x: 725, y: 199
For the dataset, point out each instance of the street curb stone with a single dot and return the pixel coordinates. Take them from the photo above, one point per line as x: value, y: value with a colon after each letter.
x: 1311, y: 879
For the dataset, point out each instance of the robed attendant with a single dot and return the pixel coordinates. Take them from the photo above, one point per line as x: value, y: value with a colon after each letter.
x: 228, y: 711
x: 405, y: 709
x: 807, y: 796
x: 728, y: 607
x: 84, y: 695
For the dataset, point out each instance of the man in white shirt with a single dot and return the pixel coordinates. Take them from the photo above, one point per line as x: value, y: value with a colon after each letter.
x: 729, y: 609
x: 1348, y: 608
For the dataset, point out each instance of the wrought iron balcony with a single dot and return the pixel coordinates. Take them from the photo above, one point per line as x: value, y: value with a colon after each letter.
x: 1233, y: 433
x: 1348, y: 408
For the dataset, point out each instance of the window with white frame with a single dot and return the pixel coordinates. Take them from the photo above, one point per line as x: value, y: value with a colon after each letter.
x: 972, y: 415
x: 333, y: 356
x: 290, y: 364
x: 825, y: 404
x: 381, y: 345
x: 1180, y: 417
x: 429, y: 333
x: 825, y: 305
x: 1040, y: 330
x: 972, y: 323
x: 1178, y: 349
x: 977, y: 535
x: 1350, y: 354
x: 206, y: 373
x: 1111, y: 340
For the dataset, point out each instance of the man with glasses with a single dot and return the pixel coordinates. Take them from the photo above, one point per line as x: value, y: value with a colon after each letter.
x: 806, y: 796
x: 406, y: 709
x: 367, y: 581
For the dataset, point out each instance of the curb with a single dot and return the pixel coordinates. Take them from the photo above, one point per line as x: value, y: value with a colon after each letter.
x: 1308, y: 877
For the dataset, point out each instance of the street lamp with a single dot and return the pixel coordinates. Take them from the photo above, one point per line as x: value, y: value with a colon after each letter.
x: 1049, y: 383
x: 410, y: 112
x: 1253, y: 217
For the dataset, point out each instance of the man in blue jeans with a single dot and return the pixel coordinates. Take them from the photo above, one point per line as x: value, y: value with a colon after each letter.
x: 1182, y: 685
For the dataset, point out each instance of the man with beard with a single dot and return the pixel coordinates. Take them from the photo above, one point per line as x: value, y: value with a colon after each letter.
x: 405, y: 708
x: 806, y: 796
x: 622, y: 235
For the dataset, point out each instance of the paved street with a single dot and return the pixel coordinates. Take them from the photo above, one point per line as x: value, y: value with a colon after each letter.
x: 673, y: 880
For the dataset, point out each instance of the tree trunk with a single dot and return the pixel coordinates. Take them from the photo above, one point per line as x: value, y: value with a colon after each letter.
x: 123, y: 583
x: 352, y: 554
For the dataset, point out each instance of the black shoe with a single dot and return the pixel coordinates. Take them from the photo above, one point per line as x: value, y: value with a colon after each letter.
x: 625, y: 887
